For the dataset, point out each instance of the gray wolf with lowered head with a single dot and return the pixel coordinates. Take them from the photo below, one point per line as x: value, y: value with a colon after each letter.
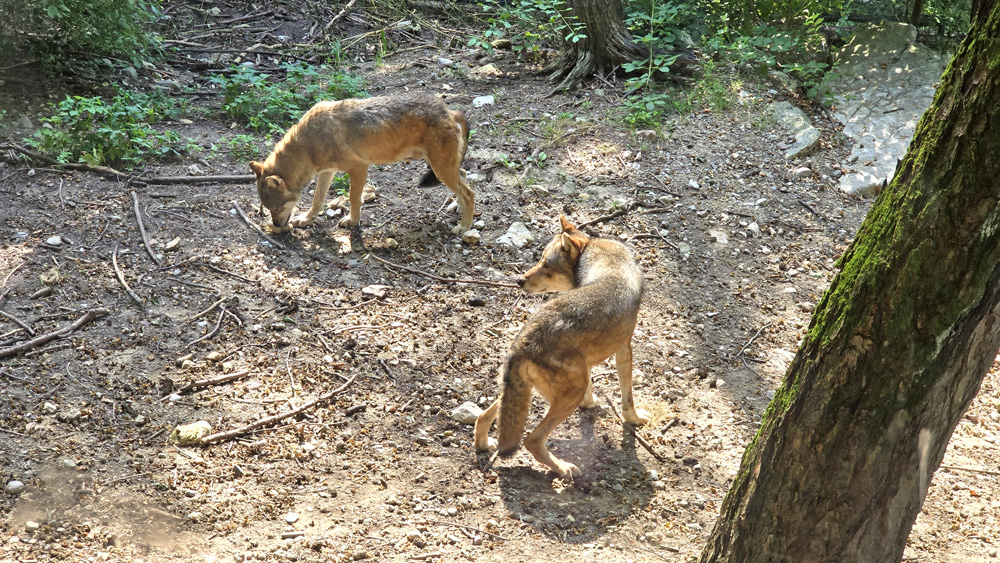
x: 351, y: 135
x: 592, y: 319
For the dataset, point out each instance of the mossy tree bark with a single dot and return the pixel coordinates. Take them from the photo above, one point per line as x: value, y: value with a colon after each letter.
x: 897, y: 348
x: 607, y: 43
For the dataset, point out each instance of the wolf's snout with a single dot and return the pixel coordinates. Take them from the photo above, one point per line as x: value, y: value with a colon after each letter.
x: 520, y: 282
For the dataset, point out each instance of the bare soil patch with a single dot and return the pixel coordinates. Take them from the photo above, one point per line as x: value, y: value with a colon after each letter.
x: 736, y: 249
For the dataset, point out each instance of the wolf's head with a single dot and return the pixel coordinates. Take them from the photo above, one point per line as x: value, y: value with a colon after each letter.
x: 274, y: 193
x: 554, y: 272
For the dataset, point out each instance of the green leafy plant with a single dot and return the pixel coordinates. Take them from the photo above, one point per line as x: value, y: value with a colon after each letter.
x: 243, y: 147
x: 119, y: 130
x: 530, y: 25
x: 268, y: 106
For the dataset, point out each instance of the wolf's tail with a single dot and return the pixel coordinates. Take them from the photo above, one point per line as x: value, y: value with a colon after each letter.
x: 429, y: 179
x: 514, y: 405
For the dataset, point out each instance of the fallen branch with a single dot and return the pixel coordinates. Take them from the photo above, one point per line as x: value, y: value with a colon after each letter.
x: 142, y: 229
x: 638, y: 437
x: 256, y: 227
x: 209, y: 309
x: 206, y: 336
x: 609, y: 216
x: 198, y: 384
x: 111, y: 173
x: 338, y: 16
x: 752, y: 338
x: 230, y: 434
x: 121, y: 277
x: 439, y: 278
x: 222, y: 179
x: 48, y: 337
x: 18, y: 322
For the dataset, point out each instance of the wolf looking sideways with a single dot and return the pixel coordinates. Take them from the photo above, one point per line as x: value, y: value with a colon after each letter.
x: 564, y: 339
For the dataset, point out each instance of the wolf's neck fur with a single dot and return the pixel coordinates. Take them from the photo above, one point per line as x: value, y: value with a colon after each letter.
x: 287, y: 149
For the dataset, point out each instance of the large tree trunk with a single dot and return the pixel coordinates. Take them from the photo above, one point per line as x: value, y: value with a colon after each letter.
x: 607, y: 43
x: 897, y: 348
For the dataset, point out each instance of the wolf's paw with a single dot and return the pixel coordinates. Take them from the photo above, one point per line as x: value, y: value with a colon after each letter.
x: 490, y: 446
x: 638, y: 418
x: 285, y: 229
x: 348, y: 223
x: 303, y: 220
x: 565, y: 469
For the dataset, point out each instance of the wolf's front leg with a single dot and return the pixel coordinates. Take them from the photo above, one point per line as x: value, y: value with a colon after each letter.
x: 319, y: 200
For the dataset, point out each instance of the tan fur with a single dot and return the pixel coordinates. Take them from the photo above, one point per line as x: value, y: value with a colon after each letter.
x: 351, y: 135
x: 593, y: 319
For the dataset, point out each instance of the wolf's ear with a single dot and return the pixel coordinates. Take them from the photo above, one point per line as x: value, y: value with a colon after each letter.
x: 566, y: 225
x: 257, y: 167
x: 274, y: 184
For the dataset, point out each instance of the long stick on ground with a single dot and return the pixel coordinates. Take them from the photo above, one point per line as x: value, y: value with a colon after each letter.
x: 256, y: 228
x: 638, y: 437
x: 439, y: 278
x: 50, y: 336
x: 230, y: 434
x: 18, y: 322
x: 198, y: 384
x: 121, y: 277
x: 113, y: 174
x: 142, y: 229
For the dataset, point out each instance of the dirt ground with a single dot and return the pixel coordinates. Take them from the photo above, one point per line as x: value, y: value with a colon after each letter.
x: 736, y: 245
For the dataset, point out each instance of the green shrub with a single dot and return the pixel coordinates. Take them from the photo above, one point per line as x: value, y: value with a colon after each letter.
x: 95, y: 27
x: 531, y: 25
x: 269, y: 106
x: 115, y: 131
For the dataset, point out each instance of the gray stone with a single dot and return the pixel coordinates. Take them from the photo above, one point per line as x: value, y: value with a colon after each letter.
x: 54, y: 240
x: 517, y: 235
x: 480, y: 101
x: 796, y: 121
x: 860, y: 184
x: 31, y: 526
x: 471, y: 236
x: 14, y: 488
x: 718, y: 236
x: 466, y: 413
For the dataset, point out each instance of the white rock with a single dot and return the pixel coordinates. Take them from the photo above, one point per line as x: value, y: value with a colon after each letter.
x: 754, y: 229
x: 14, y: 488
x: 471, y: 236
x: 190, y: 434
x: 480, y: 101
x: 466, y: 413
x: 718, y: 236
x: 802, y: 172
x: 54, y: 240
x: 375, y: 290
x: 291, y: 518
x: 444, y: 61
x: 517, y: 235
x: 693, y: 184
x: 31, y: 526
x: 860, y: 184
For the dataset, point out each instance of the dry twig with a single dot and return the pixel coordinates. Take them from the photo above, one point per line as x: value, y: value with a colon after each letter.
x: 439, y: 278
x: 50, y: 336
x: 206, y: 336
x: 256, y: 228
x: 268, y: 421
x: 142, y: 229
x: 638, y: 437
x: 121, y: 277
x: 18, y: 322
x: 198, y: 384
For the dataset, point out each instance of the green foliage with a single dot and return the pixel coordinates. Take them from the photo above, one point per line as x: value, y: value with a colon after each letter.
x: 530, y: 25
x: 952, y: 14
x: 341, y: 184
x: 119, y: 130
x: 656, y: 25
x: 243, y: 147
x: 95, y: 27
x: 269, y: 106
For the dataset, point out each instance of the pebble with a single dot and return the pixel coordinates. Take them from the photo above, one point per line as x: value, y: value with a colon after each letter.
x: 452, y: 511
x: 391, y: 243
x: 480, y: 101
x: 466, y: 413
x: 190, y: 434
x: 213, y: 356
x: 173, y: 245
x: 54, y: 240
x: 31, y: 526
x: 693, y: 184
x: 14, y: 488
x: 471, y: 236
x: 49, y: 408
x: 291, y: 518
x: 802, y: 172
x: 517, y: 235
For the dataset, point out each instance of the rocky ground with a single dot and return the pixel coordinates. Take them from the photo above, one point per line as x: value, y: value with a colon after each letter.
x: 736, y: 243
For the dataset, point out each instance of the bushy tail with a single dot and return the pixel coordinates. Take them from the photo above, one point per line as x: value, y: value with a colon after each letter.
x: 514, y: 405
